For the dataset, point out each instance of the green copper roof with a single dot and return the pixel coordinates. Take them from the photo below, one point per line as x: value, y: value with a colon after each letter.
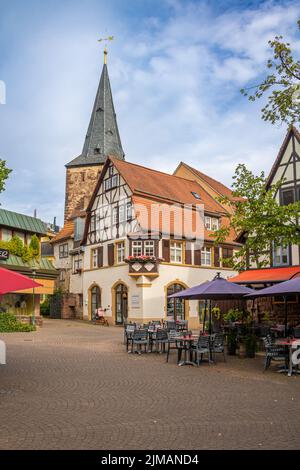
x: 22, y: 222
x: 41, y: 266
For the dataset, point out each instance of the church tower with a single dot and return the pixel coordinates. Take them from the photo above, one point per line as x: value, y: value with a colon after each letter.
x: 102, y: 139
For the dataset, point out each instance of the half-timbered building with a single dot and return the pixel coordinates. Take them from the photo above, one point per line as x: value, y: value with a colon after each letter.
x: 284, y: 260
x: 145, y: 239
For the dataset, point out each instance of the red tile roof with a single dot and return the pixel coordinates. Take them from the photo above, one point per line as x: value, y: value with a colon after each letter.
x: 66, y: 232
x: 214, y: 184
x: 265, y: 275
x: 169, y: 188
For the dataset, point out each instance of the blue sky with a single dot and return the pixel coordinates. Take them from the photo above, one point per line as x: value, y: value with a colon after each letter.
x: 176, y: 68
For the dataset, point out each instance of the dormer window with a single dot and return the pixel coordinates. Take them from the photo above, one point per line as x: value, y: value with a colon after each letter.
x: 97, y: 150
x: 196, y: 195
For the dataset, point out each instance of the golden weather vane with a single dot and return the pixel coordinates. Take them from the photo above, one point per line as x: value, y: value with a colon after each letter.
x: 109, y: 38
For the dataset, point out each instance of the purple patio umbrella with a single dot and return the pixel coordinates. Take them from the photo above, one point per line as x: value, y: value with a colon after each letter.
x: 285, y: 289
x: 217, y: 289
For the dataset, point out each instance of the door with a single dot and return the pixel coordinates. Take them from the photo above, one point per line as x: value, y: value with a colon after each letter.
x: 95, y: 301
x: 175, y: 307
x: 121, y: 304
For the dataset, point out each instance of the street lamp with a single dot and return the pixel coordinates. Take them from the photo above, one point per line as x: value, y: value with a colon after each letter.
x: 33, y: 306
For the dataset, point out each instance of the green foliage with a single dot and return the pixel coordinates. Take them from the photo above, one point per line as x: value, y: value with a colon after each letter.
x: 9, y: 324
x: 4, y: 173
x: 17, y: 247
x: 257, y: 214
x: 250, y: 342
x: 45, y: 306
x: 232, y: 342
x: 34, y: 246
x: 283, y: 83
x: 233, y: 314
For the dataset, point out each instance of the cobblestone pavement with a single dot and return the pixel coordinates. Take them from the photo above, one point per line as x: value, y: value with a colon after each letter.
x: 72, y: 386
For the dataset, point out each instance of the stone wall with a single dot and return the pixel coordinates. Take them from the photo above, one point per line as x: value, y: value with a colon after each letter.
x: 72, y: 308
x: 80, y: 184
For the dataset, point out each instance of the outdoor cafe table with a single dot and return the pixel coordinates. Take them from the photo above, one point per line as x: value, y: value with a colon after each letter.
x: 186, y: 346
x: 292, y: 344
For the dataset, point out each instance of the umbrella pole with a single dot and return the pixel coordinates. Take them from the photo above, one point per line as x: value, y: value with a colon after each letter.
x: 286, y: 315
x: 204, y: 320
x: 210, y: 319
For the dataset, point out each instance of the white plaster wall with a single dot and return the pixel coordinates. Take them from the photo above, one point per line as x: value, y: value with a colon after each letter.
x: 152, y: 299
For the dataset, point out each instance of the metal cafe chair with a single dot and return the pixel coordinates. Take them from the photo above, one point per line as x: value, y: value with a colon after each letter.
x: 139, y: 338
x: 202, y: 347
x: 218, y: 345
x: 173, y: 341
x: 274, y: 352
x: 129, y: 328
x: 161, y: 339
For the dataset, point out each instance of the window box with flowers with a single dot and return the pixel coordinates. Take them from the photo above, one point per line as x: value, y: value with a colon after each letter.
x: 143, y: 265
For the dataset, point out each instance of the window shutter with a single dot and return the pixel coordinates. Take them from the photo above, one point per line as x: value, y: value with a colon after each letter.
x: 197, y: 257
x: 166, y: 250
x: 216, y: 256
x: 100, y: 256
x: 188, y: 253
x: 110, y: 254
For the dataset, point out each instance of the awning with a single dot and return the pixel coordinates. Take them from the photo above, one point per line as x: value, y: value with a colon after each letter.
x: 266, y: 275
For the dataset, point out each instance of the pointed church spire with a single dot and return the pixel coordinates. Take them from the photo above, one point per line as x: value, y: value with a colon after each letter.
x: 102, y: 138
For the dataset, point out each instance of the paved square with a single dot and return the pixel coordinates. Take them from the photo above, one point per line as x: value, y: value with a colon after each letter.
x: 71, y: 385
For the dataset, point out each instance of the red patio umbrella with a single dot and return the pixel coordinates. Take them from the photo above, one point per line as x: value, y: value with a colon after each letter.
x: 10, y: 281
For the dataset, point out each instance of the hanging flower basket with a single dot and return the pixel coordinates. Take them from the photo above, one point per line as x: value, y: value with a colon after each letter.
x: 142, y: 259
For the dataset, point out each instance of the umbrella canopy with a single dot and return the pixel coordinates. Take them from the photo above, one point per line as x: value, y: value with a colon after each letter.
x: 217, y: 289
x: 285, y: 289
x: 290, y: 287
x: 11, y: 281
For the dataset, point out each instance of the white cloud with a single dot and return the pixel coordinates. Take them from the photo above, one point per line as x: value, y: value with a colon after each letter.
x: 175, y: 83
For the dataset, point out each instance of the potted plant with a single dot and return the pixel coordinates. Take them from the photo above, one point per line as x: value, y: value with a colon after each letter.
x: 232, y: 342
x: 250, y: 344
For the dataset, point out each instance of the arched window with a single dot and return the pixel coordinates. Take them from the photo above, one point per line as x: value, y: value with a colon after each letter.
x: 175, y: 307
x: 95, y: 299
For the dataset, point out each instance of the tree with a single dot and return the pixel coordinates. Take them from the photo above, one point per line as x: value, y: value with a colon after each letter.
x: 283, y: 103
x: 4, y: 173
x: 258, y: 218
x: 34, y: 246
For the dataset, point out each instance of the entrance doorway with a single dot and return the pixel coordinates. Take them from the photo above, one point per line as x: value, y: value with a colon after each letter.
x: 121, y: 297
x: 95, y: 301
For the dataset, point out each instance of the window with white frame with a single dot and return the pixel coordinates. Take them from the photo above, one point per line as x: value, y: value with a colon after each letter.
x: 281, y: 256
x: 77, y: 264
x: 137, y: 248
x: 214, y: 223
x: 128, y: 211
x: 120, y: 252
x: 94, y: 258
x: 63, y: 250
x: 121, y: 213
x: 62, y: 275
x: 111, y: 182
x: 93, y: 223
x: 176, y: 252
x: 208, y: 223
x: 211, y: 223
x: 206, y: 256
x: 115, y: 215
x: 149, y: 247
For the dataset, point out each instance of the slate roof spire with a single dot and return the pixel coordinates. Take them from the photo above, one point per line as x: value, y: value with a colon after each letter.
x: 102, y: 138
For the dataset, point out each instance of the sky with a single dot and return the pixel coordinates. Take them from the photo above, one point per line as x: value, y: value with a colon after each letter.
x: 176, y: 69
